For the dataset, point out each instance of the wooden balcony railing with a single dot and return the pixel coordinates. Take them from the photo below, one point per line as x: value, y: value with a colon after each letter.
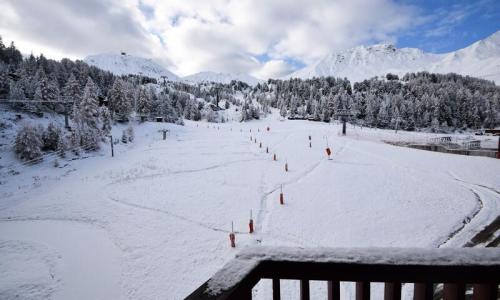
x: 455, y: 268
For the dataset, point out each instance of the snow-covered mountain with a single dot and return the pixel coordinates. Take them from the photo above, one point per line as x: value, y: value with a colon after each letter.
x: 481, y: 59
x: 220, y: 78
x: 123, y: 64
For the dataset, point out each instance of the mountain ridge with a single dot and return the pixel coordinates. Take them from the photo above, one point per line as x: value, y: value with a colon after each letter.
x: 219, y: 77
x: 480, y: 59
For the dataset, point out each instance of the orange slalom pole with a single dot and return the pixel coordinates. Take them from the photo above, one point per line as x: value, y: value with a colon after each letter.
x: 282, y: 198
x: 250, y: 224
x: 232, y: 237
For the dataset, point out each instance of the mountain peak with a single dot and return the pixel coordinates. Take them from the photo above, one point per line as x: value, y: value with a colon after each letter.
x: 124, y: 64
x: 382, y: 47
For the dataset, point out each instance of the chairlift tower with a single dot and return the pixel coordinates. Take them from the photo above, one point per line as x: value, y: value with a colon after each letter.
x: 343, y: 114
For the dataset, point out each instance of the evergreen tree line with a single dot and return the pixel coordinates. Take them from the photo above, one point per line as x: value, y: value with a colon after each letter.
x: 416, y: 101
x: 94, y: 99
x: 42, y: 79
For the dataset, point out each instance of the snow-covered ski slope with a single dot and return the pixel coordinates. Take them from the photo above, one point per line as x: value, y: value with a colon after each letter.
x: 153, y: 222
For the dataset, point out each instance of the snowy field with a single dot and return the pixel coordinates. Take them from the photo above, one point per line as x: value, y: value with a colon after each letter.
x: 153, y: 221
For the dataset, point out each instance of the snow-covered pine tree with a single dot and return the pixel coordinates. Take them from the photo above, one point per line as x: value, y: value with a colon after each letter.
x: 51, y: 137
x: 144, y: 103
x: 16, y: 91
x: 87, y: 117
x: 168, y: 111
x: 211, y: 115
x: 28, y: 143
x: 283, y: 111
x: 105, y: 119
x: 62, y: 146
x: 73, y: 91
x: 42, y: 90
x: 192, y: 111
x: 119, y: 101
x: 74, y: 142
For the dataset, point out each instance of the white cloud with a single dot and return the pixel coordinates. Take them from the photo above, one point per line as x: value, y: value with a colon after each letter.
x: 199, y: 35
x: 228, y: 35
x: 273, y: 69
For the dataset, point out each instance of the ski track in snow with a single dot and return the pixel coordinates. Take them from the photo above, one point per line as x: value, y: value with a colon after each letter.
x: 170, y: 172
x: 171, y: 214
x: 264, y: 212
x: 87, y: 221
x: 468, y: 218
x: 455, y: 177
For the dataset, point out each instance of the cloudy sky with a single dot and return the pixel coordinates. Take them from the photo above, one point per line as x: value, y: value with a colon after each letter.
x: 266, y: 38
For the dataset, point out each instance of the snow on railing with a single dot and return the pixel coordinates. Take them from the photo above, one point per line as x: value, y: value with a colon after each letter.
x: 454, y: 267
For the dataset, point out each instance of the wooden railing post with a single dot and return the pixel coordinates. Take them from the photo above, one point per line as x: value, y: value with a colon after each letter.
x: 362, y: 290
x: 485, y: 292
x: 304, y: 290
x: 392, y: 291
x: 276, y: 289
x: 454, y: 291
x: 333, y: 288
x: 423, y: 291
